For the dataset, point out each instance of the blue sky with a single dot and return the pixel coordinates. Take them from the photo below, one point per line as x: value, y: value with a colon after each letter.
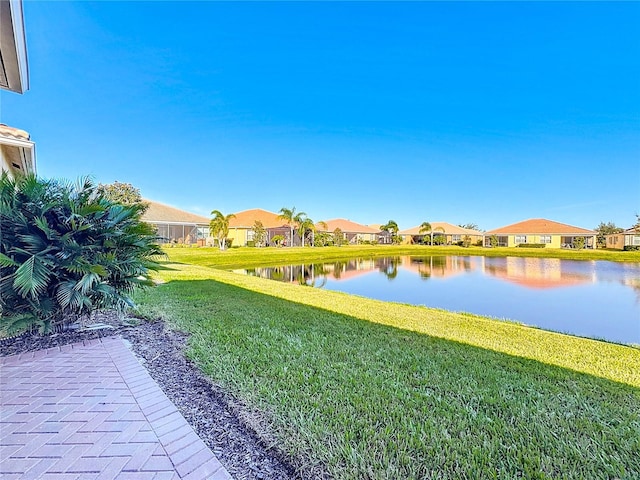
x: 488, y: 113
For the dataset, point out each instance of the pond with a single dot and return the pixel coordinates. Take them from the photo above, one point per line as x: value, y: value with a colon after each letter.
x: 596, y: 299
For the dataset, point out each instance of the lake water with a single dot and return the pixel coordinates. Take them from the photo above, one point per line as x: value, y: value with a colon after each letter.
x: 596, y: 299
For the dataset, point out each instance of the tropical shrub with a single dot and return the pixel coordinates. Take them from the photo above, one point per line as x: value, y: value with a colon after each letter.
x: 628, y: 248
x: 277, y: 240
x: 67, y: 250
x: 579, y: 243
x: 532, y: 245
x: 323, y: 239
x: 439, y: 240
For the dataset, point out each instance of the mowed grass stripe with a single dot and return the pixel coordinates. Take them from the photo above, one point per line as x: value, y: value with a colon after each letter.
x: 607, y: 360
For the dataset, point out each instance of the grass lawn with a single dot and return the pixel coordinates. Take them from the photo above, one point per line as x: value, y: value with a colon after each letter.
x: 375, y: 390
x: 253, y: 257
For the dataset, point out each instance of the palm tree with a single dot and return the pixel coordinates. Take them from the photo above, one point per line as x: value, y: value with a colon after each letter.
x: 305, y: 225
x: 391, y: 227
x: 425, y: 227
x: 315, y: 229
x: 219, y: 227
x: 292, y: 218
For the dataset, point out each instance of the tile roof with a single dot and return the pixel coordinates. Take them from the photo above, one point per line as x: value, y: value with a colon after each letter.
x: 347, y: 226
x: 159, y: 212
x: 10, y: 132
x: 247, y: 218
x: 540, y: 226
x: 436, y: 227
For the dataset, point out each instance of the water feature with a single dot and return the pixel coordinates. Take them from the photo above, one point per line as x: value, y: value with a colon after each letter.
x: 596, y: 299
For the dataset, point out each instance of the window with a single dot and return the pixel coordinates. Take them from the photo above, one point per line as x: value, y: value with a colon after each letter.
x: 521, y: 239
x: 250, y: 235
x: 545, y: 239
x: 455, y: 238
x: 636, y: 239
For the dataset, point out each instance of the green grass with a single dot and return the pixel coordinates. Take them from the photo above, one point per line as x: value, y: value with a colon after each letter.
x: 368, y: 389
x: 253, y: 257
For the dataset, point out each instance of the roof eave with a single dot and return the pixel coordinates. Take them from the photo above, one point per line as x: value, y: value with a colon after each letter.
x: 14, y: 74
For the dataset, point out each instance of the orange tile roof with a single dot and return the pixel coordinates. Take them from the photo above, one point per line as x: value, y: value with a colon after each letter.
x: 347, y: 226
x: 247, y: 218
x: 159, y: 212
x: 7, y: 131
x: 436, y: 227
x: 540, y: 226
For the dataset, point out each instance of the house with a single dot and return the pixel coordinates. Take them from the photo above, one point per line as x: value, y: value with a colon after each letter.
x: 352, y: 232
x: 177, y: 226
x: 541, y: 231
x: 442, y: 233
x: 17, y: 151
x: 241, y: 230
x: 629, y: 238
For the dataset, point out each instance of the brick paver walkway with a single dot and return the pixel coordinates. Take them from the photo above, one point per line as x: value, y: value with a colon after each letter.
x: 90, y: 411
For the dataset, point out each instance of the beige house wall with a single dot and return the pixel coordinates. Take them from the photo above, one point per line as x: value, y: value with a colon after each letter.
x: 615, y: 241
x: 238, y: 236
x: 5, y: 163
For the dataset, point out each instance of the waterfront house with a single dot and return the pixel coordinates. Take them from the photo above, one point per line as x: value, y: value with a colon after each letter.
x: 241, y: 230
x: 628, y: 238
x: 541, y: 231
x: 442, y: 233
x: 177, y: 226
x: 352, y: 232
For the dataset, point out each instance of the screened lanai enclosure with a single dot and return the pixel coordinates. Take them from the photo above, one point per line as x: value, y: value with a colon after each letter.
x: 177, y: 226
x: 182, y: 233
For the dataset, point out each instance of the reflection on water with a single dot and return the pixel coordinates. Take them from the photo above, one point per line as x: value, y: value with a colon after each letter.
x: 590, y: 298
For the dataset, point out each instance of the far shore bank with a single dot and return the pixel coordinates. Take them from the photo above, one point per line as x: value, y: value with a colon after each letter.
x: 270, y: 256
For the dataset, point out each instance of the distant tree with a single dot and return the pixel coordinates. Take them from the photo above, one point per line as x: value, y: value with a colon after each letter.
x: 259, y: 233
x: 304, y: 226
x: 391, y: 227
x: 122, y: 193
x: 219, y: 227
x: 292, y: 218
x: 338, y: 237
x: 425, y: 227
x: 606, y: 229
x: 636, y: 227
x: 314, y: 232
x: 469, y: 226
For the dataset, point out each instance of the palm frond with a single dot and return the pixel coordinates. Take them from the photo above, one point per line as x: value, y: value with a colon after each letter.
x: 30, y: 279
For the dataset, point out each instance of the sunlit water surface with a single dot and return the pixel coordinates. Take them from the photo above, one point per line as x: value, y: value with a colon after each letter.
x: 596, y: 299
